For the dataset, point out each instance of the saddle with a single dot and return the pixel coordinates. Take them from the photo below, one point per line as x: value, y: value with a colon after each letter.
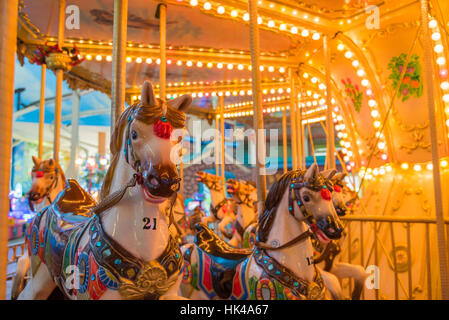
x: 224, y: 259
x: 68, y: 215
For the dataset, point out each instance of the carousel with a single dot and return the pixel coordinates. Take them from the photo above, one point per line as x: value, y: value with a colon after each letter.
x: 244, y: 150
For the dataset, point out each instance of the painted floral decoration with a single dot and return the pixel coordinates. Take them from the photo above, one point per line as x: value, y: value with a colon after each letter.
x: 411, y: 85
x: 43, y: 52
x: 353, y: 92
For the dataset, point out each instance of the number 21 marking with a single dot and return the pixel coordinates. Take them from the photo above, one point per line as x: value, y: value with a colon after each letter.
x: 147, y: 225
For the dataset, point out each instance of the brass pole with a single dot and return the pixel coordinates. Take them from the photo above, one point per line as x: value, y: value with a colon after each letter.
x: 261, y: 183
x: 217, y: 145
x: 300, y: 137
x: 293, y: 139
x: 8, y: 41
x: 284, y: 138
x: 329, y: 122
x: 442, y: 250
x: 42, y: 113
x: 223, y: 169
x: 59, y: 79
x: 118, y: 85
x: 163, y: 49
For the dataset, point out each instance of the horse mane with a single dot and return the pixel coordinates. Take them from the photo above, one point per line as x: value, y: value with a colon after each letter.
x: 146, y: 114
x: 277, y: 190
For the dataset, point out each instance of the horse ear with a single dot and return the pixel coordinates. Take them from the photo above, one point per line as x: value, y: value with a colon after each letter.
x: 51, y: 162
x: 340, y: 176
x: 311, y: 173
x: 148, y: 98
x: 181, y: 103
x: 328, y: 174
x: 36, y: 161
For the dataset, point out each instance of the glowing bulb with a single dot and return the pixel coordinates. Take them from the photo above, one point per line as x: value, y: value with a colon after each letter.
x: 283, y: 27
x: 445, y: 85
x: 441, y: 61
x: 438, y: 48
x: 281, y: 69
x: 199, y: 64
x: 246, y: 17
x: 207, y: 6
x: 294, y: 30
x: 433, y: 23
x: 436, y: 36
x: 109, y: 58
x: 305, y: 33
x: 221, y: 10
x: 429, y: 166
x: 259, y: 20
x: 219, y: 65
x: 374, y: 113
x: 270, y: 69
x: 240, y: 67
x: 404, y: 165
x: 341, y: 47
x: 230, y: 66
x: 355, y: 63
x: 234, y: 13
x: 189, y: 63
x: 139, y: 60
x: 443, y: 163
x: 417, y: 167
x: 372, y: 103
x: 360, y: 72
x: 377, y: 124
x: 98, y: 57
x: 365, y: 82
x: 316, y: 36
x: 381, y: 145
x: 348, y: 54
x: 271, y: 24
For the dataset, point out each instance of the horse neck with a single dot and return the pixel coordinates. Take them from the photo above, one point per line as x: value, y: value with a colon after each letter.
x: 216, y: 196
x: 125, y: 221
x: 297, y: 257
x: 245, y: 215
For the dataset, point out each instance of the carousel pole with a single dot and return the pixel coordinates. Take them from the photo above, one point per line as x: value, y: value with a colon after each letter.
x: 300, y: 138
x: 261, y: 183
x: 284, y: 138
x: 329, y: 121
x: 72, y: 170
x: 42, y: 112
x: 428, y: 69
x: 293, y: 138
x: 8, y: 40
x: 217, y: 144
x: 162, y: 9
x: 223, y: 168
x: 59, y: 79
x: 118, y: 86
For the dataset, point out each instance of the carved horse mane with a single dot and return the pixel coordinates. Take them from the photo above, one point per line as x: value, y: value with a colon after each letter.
x: 277, y: 190
x: 147, y: 114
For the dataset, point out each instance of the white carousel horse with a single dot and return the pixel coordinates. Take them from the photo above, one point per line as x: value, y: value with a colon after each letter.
x: 47, y: 180
x: 122, y: 247
x: 328, y: 259
x: 245, y: 196
x: 281, y: 266
x: 222, y: 208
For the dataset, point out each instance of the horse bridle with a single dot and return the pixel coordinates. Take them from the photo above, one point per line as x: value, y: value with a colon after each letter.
x: 246, y: 200
x: 212, y: 184
x: 294, y: 195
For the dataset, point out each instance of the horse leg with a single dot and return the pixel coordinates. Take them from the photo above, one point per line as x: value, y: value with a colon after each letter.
x: 346, y: 270
x: 40, y: 286
x: 333, y: 285
x: 23, y: 265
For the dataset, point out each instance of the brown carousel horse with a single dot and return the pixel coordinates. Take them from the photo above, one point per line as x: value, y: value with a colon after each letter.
x: 245, y: 195
x: 223, y: 210
x: 328, y: 252
x: 281, y: 266
x: 47, y: 181
x: 122, y: 247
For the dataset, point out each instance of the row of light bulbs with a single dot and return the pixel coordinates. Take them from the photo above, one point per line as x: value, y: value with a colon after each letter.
x: 188, y: 63
x: 371, y: 173
x: 372, y: 103
x: 270, y: 23
x: 440, y: 60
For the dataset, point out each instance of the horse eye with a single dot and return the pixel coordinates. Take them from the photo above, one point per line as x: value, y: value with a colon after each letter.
x: 134, y: 135
x: 306, y: 198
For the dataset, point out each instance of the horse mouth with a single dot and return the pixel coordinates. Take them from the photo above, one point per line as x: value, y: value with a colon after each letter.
x: 328, y: 229
x: 230, y: 189
x: 150, y: 198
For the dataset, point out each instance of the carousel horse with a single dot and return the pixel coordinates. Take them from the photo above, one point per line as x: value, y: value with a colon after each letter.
x: 245, y: 196
x: 47, y: 180
x: 222, y: 209
x: 280, y: 266
x: 328, y: 253
x: 120, y: 248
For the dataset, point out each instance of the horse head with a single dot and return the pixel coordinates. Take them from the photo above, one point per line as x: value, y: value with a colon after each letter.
x: 45, y: 178
x: 146, y: 136
x: 211, y: 181
x: 242, y: 192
